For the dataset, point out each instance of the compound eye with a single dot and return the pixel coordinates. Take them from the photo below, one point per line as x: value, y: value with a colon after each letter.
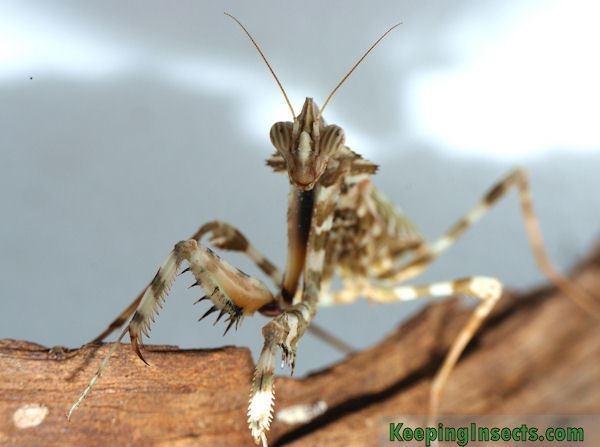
x: 331, y: 138
x: 281, y: 136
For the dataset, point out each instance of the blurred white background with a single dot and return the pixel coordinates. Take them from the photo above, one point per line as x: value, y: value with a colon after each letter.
x: 126, y: 125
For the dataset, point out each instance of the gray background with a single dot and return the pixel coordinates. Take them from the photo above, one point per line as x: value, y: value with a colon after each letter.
x: 126, y: 125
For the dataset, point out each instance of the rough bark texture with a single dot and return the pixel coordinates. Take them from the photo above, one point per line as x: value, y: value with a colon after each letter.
x: 537, y: 354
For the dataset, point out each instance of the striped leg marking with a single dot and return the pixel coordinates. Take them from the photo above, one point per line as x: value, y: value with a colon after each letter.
x: 283, y: 332
x: 227, y: 237
x: 121, y: 319
x: 517, y: 178
x: 230, y: 290
x: 347, y: 294
x: 486, y: 289
x: 224, y: 236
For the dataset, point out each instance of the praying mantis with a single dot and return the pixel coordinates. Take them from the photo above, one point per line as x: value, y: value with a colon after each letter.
x: 339, y: 223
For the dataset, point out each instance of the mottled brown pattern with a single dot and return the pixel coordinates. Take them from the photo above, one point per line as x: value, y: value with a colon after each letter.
x: 330, y: 177
x: 323, y: 211
x: 320, y: 241
x: 360, y: 242
x: 313, y: 278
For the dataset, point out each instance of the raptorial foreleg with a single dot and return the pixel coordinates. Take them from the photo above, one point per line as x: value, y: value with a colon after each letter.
x: 222, y: 235
x: 283, y: 332
x: 230, y: 290
x: 147, y: 304
x: 227, y: 237
x: 286, y: 330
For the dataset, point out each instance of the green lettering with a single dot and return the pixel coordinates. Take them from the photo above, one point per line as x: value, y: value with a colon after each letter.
x: 559, y: 434
x: 395, y: 431
x: 430, y: 435
x: 533, y: 434
x: 449, y: 434
x: 575, y: 434
x: 483, y: 434
x: 462, y: 433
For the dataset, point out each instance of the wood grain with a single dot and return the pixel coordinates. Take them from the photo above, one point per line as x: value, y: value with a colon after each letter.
x: 538, y: 354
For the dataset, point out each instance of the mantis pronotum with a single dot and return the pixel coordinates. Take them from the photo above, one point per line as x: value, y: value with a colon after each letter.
x: 338, y: 223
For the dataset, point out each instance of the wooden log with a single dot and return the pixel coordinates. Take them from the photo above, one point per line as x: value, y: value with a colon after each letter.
x: 537, y: 354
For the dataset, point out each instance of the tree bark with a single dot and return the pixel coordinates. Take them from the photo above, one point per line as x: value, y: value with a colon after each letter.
x: 537, y: 354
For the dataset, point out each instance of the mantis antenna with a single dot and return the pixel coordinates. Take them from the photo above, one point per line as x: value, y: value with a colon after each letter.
x: 266, y: 62
x: 356, y: 65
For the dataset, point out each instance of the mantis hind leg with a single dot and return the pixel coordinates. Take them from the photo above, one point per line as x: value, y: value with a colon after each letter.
x: 519, y: 179
x: 486, y: 289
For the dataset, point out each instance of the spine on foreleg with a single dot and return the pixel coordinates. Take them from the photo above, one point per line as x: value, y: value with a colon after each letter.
x: 152, y: 300
x: 260, y: 408
x: 230, y: 290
